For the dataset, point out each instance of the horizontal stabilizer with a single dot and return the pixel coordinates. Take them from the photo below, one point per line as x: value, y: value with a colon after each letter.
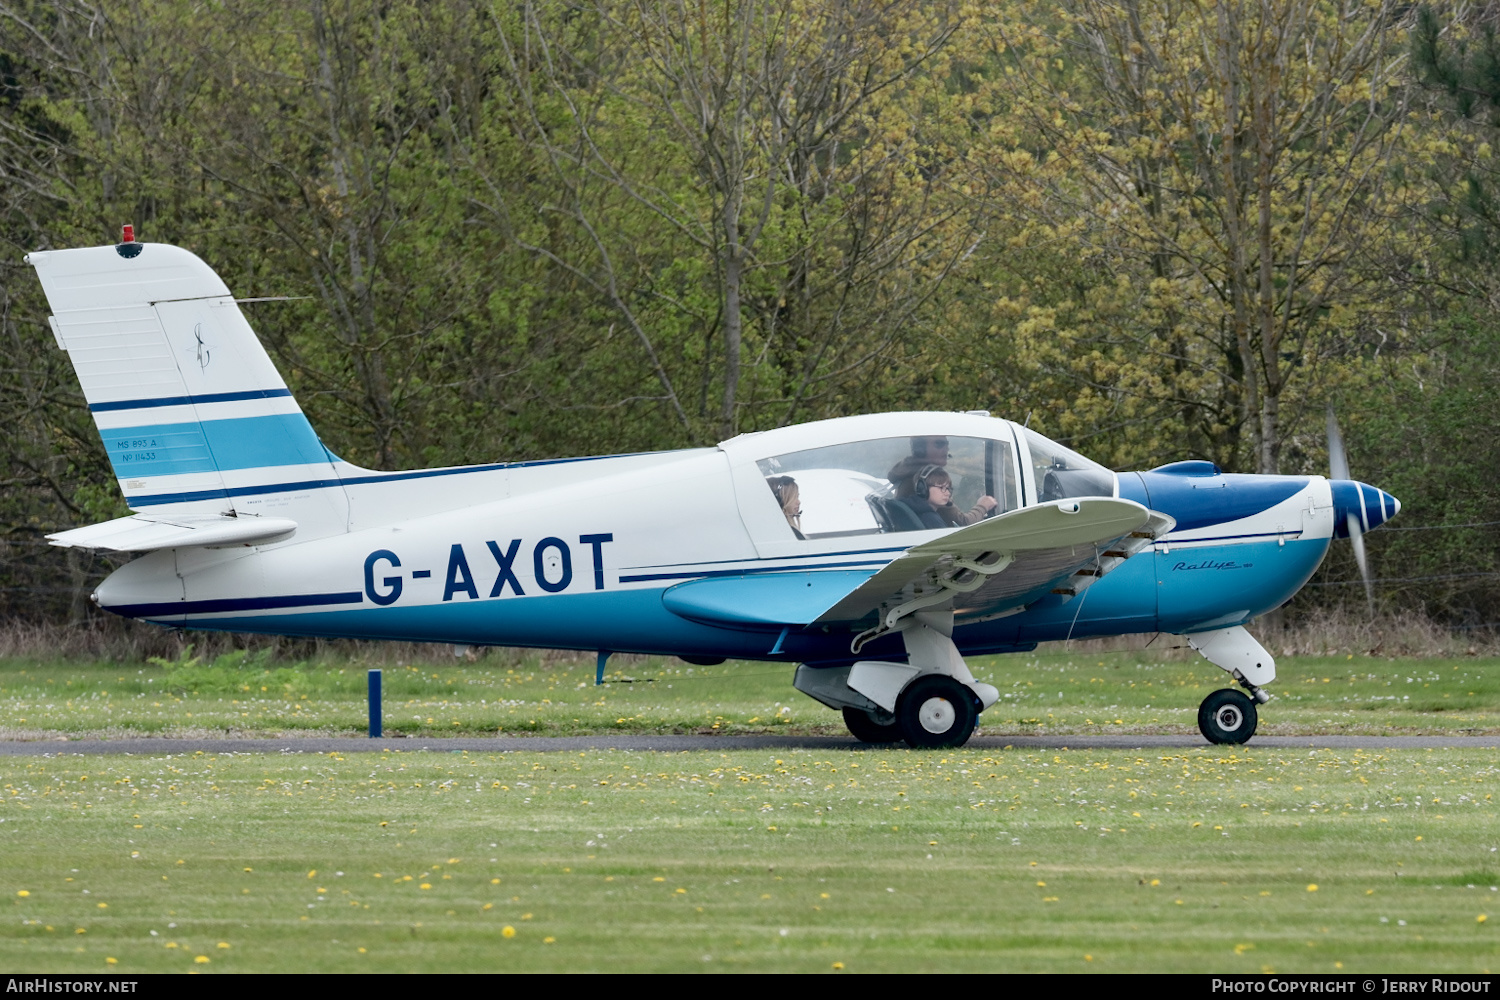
x: 144, y: 534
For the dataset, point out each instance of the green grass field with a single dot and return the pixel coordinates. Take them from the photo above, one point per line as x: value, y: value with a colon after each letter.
x: 1052, y: 693
x: 858, y: 861
x: 794, y: 860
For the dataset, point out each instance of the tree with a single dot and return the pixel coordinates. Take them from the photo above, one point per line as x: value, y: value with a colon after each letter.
x: 810, y: 223
x: 1228, y: 165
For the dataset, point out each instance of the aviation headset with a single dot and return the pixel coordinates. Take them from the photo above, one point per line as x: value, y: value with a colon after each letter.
x: 919, y: 484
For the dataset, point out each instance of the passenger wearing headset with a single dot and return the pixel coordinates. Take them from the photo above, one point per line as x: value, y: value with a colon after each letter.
x: 932, y: 495
x: 789, y: 498
x: 933, y: 451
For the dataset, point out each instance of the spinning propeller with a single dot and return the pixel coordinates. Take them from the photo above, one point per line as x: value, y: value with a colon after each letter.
x: 1357, y: 506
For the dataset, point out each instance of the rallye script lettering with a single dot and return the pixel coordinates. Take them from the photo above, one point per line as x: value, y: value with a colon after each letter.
x: 1210, y: 564
x: 551, y: 562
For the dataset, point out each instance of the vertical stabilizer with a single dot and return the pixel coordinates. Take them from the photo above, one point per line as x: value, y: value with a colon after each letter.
x: 193, y: 414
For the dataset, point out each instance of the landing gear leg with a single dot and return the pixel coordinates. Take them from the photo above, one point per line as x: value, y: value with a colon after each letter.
x: 1228, y: 716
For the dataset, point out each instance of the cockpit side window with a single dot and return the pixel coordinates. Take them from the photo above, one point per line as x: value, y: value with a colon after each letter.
x: 892, y: 485
x: 1061, y: 472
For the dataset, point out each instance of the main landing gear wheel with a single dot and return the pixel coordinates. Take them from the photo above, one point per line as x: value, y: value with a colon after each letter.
x: 1227, y: 716
x: 865, y: 729
x: 937, y: 711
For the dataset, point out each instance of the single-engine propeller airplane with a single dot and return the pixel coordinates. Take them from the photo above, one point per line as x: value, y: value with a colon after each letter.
x: 874, y: 551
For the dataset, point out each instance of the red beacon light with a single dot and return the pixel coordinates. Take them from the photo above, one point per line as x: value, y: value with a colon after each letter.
x: 128, y: 247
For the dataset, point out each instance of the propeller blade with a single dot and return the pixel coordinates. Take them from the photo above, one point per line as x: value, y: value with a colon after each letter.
x: 1338, y: 459
x: 1357, y: 539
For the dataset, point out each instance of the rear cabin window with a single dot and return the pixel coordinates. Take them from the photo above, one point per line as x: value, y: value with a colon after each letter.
x: 877, y: 487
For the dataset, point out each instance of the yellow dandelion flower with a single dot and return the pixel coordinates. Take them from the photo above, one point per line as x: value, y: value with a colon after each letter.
x: 494, y: 881
x: 1312, y: 887
x: 202, y: 960
x: 822, y: 895
x: 112, y: 961
x: 361, y: 951
x: 1088, y: 958
x: 508, y: 931
x: 838, y: 965
x: 24, y: 893
x: 525, y: 916
x: 1419, y: 838
x: 1041, y: 885
x: 488, y: 906
x: 223, y: 944
x: 425, y: 885
x: 1482, y: 918
x: 313, y: 873
x: 249, y: 869
x: 549, y: 940
x: 103, y: 906
x: 658, y: 879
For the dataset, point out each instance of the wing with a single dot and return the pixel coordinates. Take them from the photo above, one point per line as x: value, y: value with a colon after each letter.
x: 987, y: 569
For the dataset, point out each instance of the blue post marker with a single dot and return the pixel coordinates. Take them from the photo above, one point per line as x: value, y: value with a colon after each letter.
x: 375, y: 727
x: 599, y: 670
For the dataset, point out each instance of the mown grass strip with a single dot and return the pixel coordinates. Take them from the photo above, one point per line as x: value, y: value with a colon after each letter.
x: 1229, y: 860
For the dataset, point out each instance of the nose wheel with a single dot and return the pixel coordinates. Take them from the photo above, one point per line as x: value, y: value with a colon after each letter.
x: 1227, y: 716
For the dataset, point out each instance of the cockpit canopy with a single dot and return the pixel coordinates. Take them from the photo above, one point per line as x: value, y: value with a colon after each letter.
x: 923, y: 482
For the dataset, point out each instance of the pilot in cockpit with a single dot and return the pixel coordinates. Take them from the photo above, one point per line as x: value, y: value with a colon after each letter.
x: 927, y: 451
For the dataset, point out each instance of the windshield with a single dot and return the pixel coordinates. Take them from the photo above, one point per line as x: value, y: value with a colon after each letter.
x: 893, y: 484
x: 1061, y: 472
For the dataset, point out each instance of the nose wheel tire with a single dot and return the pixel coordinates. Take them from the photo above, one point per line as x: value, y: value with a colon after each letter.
x: 1227, y: 716
x: 867, y: 729
x: 937, y: 711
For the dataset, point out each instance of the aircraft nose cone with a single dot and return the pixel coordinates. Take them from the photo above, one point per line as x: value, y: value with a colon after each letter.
x: 1371, y: 507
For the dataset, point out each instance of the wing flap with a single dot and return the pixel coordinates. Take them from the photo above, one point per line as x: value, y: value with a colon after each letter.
x: 145, y: 534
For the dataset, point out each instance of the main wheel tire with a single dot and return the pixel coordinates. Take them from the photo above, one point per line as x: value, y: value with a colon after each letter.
x: 864, y: 727
x: 1227, y: 716
x: 937, y: 711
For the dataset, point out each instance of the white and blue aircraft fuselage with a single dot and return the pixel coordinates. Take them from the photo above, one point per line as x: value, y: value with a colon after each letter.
x: 807, y: 544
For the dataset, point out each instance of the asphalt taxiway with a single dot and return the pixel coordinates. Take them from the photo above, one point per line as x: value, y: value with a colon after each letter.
x: 681, y: 744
